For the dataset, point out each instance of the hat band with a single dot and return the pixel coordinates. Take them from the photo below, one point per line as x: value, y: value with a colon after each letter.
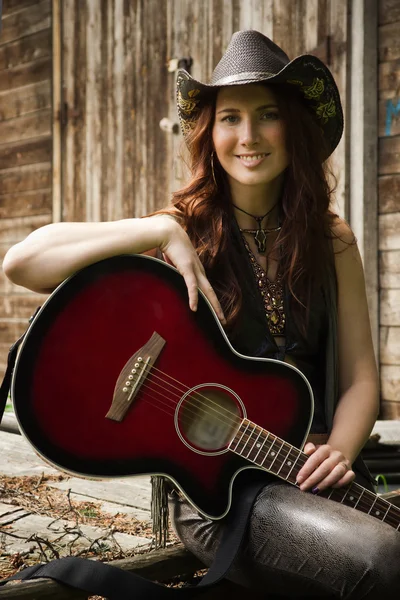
x: 256, y: 75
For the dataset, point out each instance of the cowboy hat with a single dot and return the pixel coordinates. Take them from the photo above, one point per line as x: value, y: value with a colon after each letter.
x: 251, y: 57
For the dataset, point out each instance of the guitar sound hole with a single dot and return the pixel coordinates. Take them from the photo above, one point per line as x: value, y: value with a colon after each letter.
x: 208, y: 418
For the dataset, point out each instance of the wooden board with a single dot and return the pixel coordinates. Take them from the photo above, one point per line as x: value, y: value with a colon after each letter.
x: 24, y: 204
x: 390, y: 382
x: 35, y: 17
x: 389, y: 269
x: 27, y: 152
x: 24, y: 100
x: 389, y: 11
x: 389, y: 41
x: 390, y: 410
x: 390, y: 346
x: 389, y: 193
x: 389, y: 155
x: 25, y: 74
x: 25, y: 525
x: 132, y: 494
x: 25, y: 178
x: 35, y: 124
x: 390, y: 308
x: 389, y: 231
x: 26, y: 49
x: 389, y: 78
x: 389, y: 117
x: 130, y: 491
x: 19, y: 306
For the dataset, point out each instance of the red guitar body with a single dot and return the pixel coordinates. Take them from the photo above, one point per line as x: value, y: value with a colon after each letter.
x: 189, y: 400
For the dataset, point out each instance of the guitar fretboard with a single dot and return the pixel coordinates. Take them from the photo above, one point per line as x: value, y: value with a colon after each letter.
x: 262, y: 448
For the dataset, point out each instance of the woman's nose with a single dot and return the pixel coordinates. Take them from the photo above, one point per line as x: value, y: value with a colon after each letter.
x: 249, y: 133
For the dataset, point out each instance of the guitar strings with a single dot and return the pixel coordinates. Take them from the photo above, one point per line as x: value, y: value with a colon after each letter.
x: 363, y: 503
x: 196, y: 396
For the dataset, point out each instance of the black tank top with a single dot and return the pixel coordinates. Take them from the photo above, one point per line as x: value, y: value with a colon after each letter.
x: 251, y: 335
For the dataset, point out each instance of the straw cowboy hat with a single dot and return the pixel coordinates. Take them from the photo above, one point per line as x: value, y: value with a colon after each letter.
x: 251, y: 57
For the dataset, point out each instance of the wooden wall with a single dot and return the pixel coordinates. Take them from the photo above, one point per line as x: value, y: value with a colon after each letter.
x: 389, y: 204
x: 117, y: 68
x: 25, y: 146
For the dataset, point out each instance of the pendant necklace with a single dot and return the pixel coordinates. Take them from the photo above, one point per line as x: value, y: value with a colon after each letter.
x: 259, y: 234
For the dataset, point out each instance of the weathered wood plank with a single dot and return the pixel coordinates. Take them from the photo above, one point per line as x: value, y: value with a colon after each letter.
x: 390, y: 382
x: 27, y: 126
x: 26, y: 49
x: 11, y: 6
x: 31, y: 524
x: 20, y: 306
x: 25, y: 178
x: 389, y: 78
x: 30, y: 19
x: 25, y: 74
x: 11, y: 330
x: 23, y: 204
x: 389, y: 269
x: 389, y: 117
x: 74, y: 78
x: 57, y: 103
x: 390, y: 308
x: 389, y: 231
x: 389, y: 11
x: 16, y: 229
x: 36, y: 150
x: 24, y: 100
x: 18, y: 458
x: 389, y: 42
x: 389, y: 155
x: 389, y: 193
x: 390, y: 345
x: 159, y: 565
x: 130, y: 491
x: 390, y: 410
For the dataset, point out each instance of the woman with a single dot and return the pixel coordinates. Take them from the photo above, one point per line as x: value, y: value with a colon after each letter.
x: 254, y: 232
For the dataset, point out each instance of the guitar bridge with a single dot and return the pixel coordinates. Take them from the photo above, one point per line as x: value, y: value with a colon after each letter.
x: 132, y: 377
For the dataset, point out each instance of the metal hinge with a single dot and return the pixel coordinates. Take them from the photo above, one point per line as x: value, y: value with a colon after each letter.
x: 65, y: 113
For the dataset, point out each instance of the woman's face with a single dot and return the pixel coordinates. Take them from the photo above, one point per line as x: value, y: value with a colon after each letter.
x: 248, y: 135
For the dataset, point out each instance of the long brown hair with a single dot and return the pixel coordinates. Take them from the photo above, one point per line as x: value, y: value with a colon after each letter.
x: 204, y: 208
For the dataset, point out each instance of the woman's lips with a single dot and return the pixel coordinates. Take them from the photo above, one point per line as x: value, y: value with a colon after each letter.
x: 253, y: 161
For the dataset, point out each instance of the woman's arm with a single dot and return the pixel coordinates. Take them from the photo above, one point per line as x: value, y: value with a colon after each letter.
x: 358, y: 405
x: 54, y: 252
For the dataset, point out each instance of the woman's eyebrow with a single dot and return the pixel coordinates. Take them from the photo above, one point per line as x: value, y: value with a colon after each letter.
x: 238, y: 110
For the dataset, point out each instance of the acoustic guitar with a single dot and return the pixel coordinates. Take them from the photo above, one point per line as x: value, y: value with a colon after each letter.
x: 116, y: 376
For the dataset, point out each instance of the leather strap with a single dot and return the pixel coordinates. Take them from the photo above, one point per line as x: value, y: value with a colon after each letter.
x: 113, y: 583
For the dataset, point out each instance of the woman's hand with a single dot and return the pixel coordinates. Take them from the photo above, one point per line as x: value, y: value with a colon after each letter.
x: 177, y: 246
x: 325, y: 467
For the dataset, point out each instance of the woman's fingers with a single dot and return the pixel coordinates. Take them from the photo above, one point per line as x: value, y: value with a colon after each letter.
x: 211, y: 296
x: 194, y: 278
x: 324, y: 468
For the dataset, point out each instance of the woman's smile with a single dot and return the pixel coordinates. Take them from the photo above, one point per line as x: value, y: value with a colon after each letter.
x: 250, y: 161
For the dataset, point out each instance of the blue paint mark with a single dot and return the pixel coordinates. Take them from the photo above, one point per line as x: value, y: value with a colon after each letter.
x: 391, y: 111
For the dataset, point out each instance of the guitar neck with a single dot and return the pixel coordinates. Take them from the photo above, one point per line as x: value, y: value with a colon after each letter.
x: 271, y: 453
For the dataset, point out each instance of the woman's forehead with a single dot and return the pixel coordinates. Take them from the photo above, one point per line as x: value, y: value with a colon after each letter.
x: 252, y: 93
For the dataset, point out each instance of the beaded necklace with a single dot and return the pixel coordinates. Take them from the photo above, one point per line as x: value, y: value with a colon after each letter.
x: 272, y: 294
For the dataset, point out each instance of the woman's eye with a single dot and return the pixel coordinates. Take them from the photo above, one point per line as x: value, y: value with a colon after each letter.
x: 270, y: 115
x: 230, y: 119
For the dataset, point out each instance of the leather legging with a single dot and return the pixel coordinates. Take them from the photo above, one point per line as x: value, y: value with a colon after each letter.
x: 301, y: 546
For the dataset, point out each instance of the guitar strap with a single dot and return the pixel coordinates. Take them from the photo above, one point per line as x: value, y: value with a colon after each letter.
x: 97, y: 578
